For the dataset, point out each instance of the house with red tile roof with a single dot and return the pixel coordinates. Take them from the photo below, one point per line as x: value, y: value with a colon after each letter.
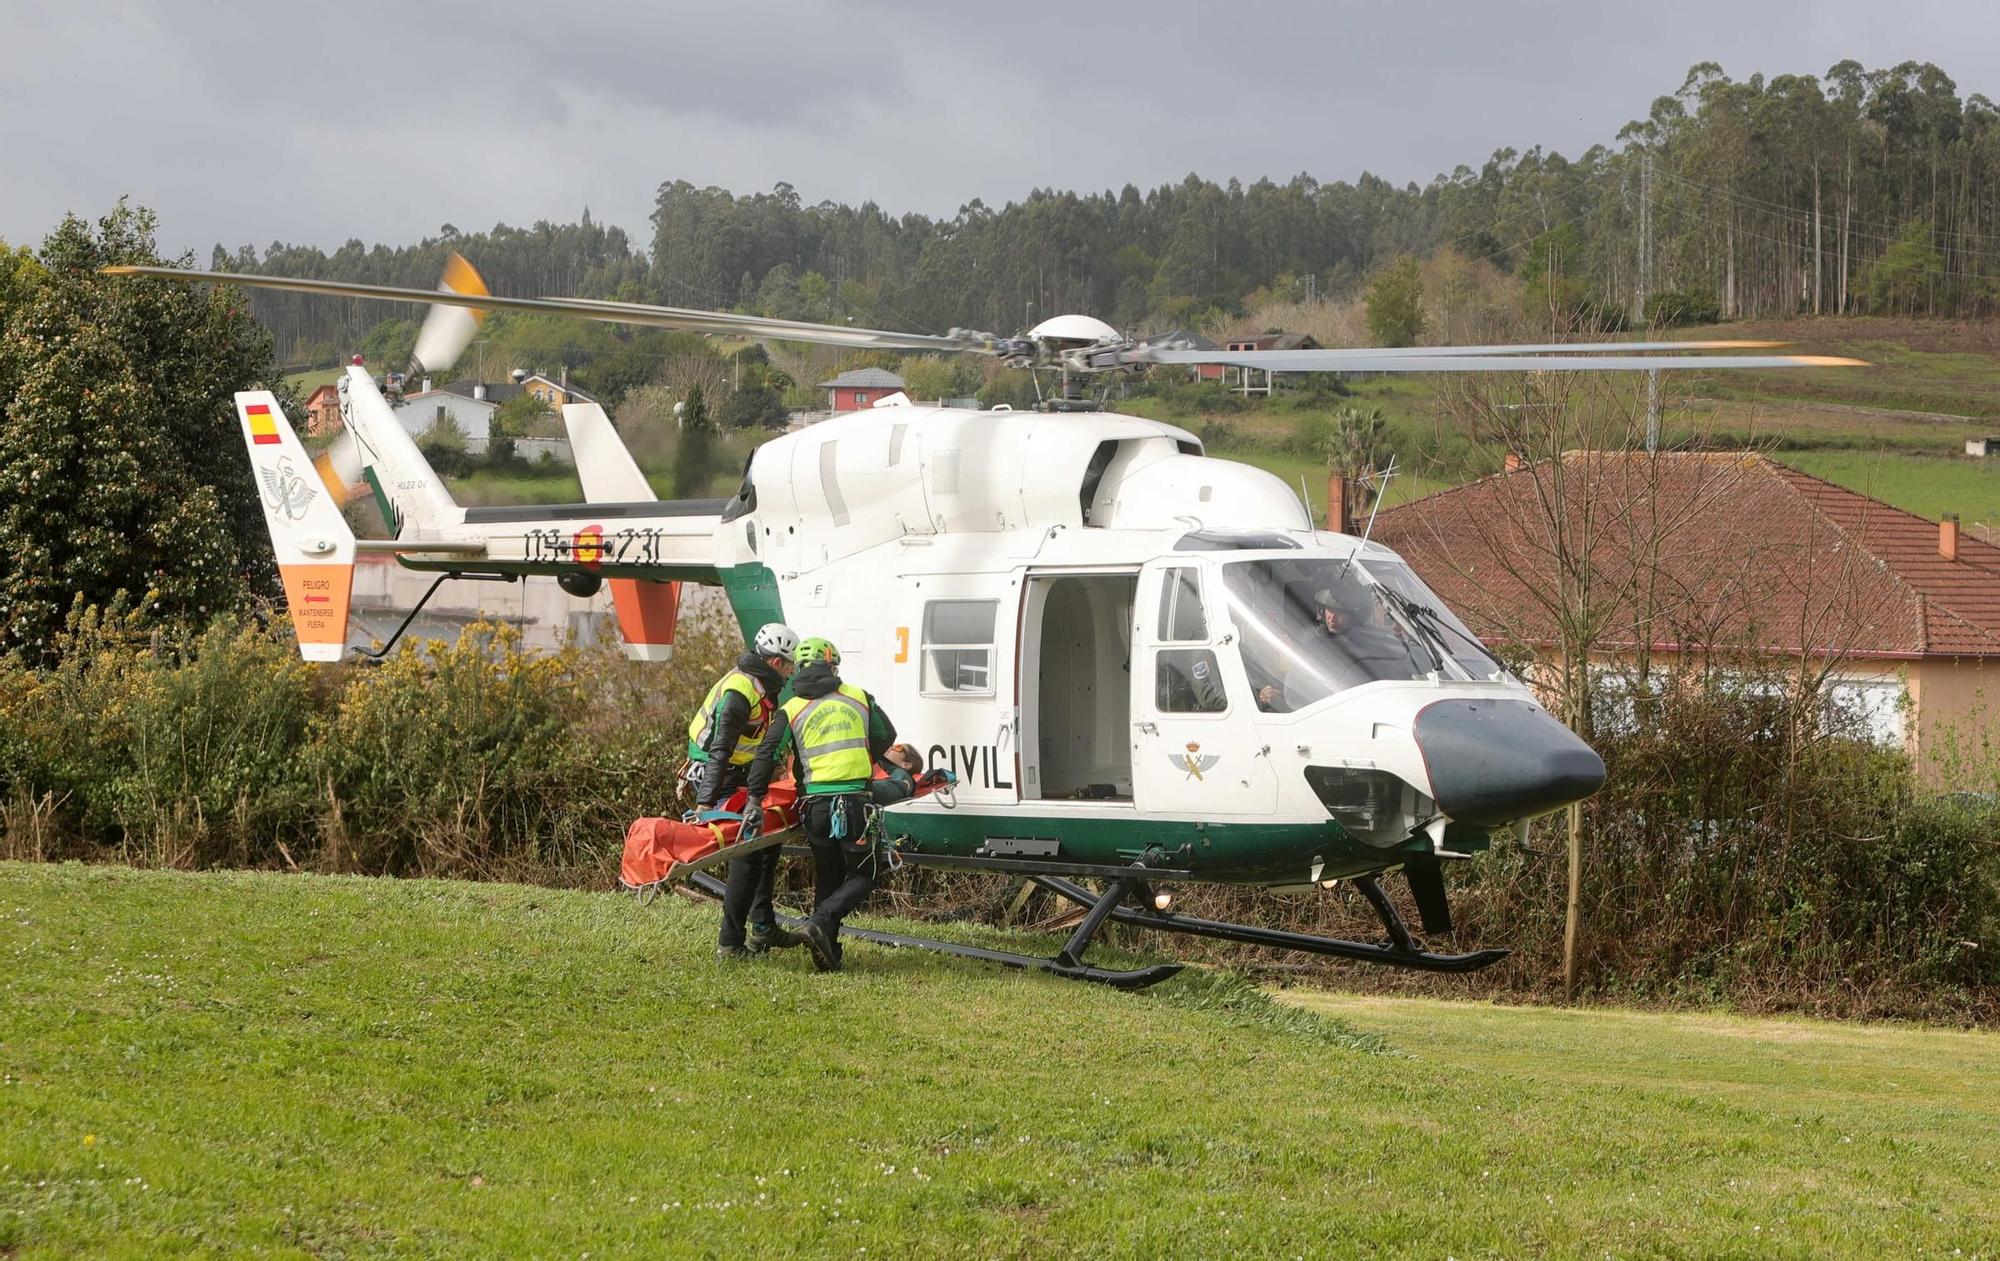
x: 322, y: 411
x: 1708, y: 554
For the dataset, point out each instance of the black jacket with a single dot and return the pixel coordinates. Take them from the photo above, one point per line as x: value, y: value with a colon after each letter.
x: 731, y: 716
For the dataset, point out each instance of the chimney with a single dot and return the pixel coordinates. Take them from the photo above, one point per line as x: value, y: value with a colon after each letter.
x: 1948, y: 536
x: 563, y: 377
x: 479, y: 391
x: 1339, y: 504
x: 1513, y: 464
x: 427, y: 385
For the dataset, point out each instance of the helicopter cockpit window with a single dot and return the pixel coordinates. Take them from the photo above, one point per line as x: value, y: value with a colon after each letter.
x: 1181, y: 616
x: 1188, y: 682
x: 958, y: 646
x: 1422, y: 606
x: 1309, y: 628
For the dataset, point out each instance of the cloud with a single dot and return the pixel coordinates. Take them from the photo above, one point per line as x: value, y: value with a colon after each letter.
x: 314, y: 123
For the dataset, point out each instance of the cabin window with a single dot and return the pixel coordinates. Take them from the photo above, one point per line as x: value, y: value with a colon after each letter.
x: 1181, y: 616
x: 958, y: 646
x: 829, y: 483
x: 1187, y: 682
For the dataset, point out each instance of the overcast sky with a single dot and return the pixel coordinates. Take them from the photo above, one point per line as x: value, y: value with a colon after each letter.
x: 312, y: 123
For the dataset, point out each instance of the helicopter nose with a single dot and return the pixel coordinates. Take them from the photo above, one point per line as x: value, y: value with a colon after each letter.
x: 1495, y: 761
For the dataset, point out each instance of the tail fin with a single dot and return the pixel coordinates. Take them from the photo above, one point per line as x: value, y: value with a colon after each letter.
x: 413, y: 497
x: 607, y: 470
x: 314, y: 547
x: 647, y: 611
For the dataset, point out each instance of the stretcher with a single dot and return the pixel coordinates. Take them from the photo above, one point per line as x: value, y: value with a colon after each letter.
x: 660, y: 852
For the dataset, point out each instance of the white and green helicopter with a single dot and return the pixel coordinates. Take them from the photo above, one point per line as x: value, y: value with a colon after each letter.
x: 1143, y: 664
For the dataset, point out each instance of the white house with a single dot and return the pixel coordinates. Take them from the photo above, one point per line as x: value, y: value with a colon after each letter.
x: 473, y: 414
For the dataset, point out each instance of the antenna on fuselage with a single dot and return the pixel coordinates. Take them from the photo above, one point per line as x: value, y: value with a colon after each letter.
x: 1367, y: 479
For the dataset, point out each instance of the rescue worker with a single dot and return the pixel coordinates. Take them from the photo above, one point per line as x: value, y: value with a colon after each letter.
x: 722, y: 740
x: 835, y: 733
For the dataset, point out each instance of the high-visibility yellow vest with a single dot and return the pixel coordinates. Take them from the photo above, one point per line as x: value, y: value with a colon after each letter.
x: 831, y: 733
x: 753, y: 728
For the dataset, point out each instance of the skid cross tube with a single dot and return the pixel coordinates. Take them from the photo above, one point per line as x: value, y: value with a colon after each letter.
x: 1071, y: 955
x: 1401, y: 953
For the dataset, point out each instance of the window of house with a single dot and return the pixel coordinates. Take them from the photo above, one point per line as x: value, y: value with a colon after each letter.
x: 1181, y: 615
x: 1186, y: 681
x: 1871, y: 710
x: 958, y: 646
x: 860, y: 397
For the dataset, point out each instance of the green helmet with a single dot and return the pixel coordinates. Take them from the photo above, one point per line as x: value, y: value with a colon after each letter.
x: 816, y: 649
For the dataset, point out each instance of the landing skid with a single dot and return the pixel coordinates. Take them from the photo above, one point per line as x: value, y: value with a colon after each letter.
x: 1068, y: 962
x: 1401, y: 952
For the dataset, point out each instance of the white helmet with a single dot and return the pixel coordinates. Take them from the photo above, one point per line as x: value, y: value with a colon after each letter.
x: 776, y: 640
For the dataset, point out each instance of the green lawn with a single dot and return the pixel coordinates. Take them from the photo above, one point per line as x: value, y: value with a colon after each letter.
x: 1926, y: 485
x: 1292, y: 468
x: 307, y: 382
x: 312, y: 1066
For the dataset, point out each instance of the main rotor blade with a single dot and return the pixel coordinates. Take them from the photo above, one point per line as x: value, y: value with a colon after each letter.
x: 1545, y: 348
x: 1345, y: 361
x: 639, y: 313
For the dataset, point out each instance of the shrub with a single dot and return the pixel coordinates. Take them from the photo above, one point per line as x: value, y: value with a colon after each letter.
x: 1678, y: 307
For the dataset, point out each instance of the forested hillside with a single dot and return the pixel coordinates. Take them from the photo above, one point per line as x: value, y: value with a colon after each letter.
x: 1873, y: 191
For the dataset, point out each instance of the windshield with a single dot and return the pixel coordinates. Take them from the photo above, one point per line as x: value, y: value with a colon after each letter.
x: 1312, y: 627
x: 1422, y: 606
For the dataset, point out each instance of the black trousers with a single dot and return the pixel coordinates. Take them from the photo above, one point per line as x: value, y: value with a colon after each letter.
x: 843, y: 871
x: 747, y: 899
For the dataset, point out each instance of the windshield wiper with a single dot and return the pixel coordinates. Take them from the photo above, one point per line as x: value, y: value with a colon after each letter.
x: 1428, y: 618
x: 1401, y: 609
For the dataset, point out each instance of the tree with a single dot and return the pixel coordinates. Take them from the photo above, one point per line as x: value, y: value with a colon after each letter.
x: 443, y: 446
x: 695, y: 451
x: 1903, y: 277
x: 755, y: 405
x: 1554, y: 288
x: 1357, y: 445
x: 122, y: 469
x: 1396, y: 304
x: 519, y: 416
x: 927, y: 378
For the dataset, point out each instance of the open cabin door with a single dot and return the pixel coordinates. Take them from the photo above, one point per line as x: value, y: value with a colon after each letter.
x: 1196, y: 748
x: 1076, y: 686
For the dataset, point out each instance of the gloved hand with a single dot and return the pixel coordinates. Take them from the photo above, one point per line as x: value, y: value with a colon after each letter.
x: 753, y: 820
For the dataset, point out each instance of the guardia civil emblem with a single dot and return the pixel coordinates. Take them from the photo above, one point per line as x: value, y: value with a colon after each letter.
x: 285, y: 491
x: 1194, y: 761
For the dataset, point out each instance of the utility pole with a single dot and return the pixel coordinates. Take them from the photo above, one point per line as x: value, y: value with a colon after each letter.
x: 1652, y: 409
x: 1645, y: 287
x: 1646, y: 293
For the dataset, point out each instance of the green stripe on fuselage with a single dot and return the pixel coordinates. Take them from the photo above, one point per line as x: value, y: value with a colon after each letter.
x: 1244, y: 853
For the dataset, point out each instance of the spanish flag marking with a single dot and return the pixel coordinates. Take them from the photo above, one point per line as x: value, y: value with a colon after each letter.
x: 263, y: 430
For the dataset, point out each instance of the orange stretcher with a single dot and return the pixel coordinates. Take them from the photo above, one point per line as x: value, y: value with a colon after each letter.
x: 659, y: 852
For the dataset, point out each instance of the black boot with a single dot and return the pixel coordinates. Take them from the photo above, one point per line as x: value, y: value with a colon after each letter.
x: 825, y: 949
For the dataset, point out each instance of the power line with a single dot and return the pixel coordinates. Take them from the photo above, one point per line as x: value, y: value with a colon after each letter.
x: 1752, y: 202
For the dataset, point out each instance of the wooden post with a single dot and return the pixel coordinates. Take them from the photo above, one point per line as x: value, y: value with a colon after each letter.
x: 1339, y: 508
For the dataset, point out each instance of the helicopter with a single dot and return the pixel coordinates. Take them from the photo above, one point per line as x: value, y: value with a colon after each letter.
x: 1142, y: 664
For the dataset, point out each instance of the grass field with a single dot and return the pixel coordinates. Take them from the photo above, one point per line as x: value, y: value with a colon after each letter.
x: 1928, y: 486
x: 307, y: 382
x: 311, y: 1066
